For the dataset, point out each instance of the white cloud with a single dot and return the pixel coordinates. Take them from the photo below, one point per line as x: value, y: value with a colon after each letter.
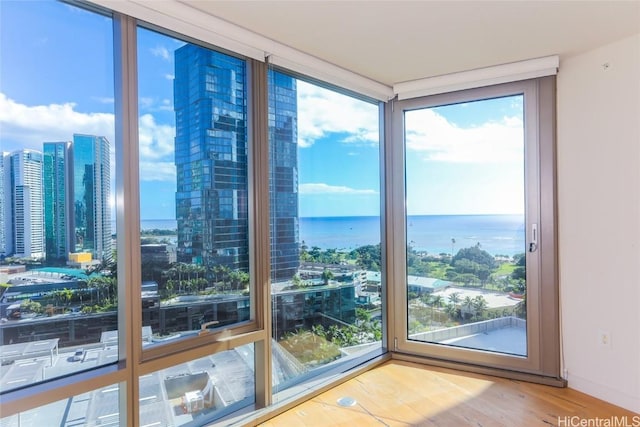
x: 149, y: 104
x: 157, y: 171
x: 161, y: 52
x: 169, y: 76
x: 166, y: 105
x: 25, y: 126
x: 321, y: 111
x: 103, y: 99
x: 321, y: 188
x: 156, y: 141
x: 436, y: 139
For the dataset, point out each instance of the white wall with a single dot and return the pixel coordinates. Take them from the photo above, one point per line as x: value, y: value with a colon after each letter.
x: 599, y: 220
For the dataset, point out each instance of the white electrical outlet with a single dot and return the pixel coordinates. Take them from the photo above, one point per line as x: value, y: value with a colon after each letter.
x: 604, y: 338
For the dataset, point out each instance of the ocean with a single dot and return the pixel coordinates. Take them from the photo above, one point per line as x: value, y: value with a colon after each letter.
x: 496, y: 234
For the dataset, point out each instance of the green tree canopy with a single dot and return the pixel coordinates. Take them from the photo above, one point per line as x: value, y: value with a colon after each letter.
x: 367, y: 257
x: 477, y: 255
x: 519, y: 273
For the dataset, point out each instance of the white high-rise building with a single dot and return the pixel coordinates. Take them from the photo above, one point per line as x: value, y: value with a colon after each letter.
x: 27, y: 202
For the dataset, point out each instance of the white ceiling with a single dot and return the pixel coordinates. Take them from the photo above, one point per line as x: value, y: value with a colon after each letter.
x: 397, y: 41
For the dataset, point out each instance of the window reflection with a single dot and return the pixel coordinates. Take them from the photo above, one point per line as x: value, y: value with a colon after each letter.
x: 58, y: 293
x: 199, y: 390
x: 96, y: 407
x: 325, y: 229
x: 193, y: 185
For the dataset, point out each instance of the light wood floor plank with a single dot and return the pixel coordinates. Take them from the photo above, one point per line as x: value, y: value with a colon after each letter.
x: 402, y: 394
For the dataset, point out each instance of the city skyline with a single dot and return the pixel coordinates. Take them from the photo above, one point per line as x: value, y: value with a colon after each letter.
x: 55, y: 200
x: 331, y: 125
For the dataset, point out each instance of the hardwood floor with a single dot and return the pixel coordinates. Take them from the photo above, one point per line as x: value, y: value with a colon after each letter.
x: 400, y: 393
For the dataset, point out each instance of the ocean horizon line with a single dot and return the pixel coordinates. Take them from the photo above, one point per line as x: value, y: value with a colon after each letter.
x: 434, y: 233
x: 372, y: 216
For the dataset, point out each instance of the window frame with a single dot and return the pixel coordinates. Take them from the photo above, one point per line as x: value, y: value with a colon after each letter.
x: 134, y: 361
x: 313, y: 380
x: 242, y: 329
x: 542, y: 357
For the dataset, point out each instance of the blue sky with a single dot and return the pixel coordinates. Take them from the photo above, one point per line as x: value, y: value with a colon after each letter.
x: 56, y: 79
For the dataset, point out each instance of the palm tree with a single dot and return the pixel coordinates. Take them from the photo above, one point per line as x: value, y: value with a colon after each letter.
x: 451, y: 310
x: 297, y: 282
x: 467, y: 303
x: 244, y: 280
x: 67, y: 294
x: 479, y: 305
x: 436, y: 301
x: 453, y: 243
x: 521, y: 307
x: 200, y: 270
x: 221, y: 274
x: 169, y: 286
x: 327, y: 275
x: 427, y: 299
x: 454, y: 298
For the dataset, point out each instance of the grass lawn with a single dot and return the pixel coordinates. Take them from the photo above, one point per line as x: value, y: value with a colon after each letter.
x: 438, y: 269
x: 505, y: 269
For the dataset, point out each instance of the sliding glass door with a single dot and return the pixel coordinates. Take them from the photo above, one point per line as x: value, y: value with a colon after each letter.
x: 471, y: 262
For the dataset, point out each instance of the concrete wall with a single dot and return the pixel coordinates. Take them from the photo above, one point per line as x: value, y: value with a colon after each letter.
x: 468, y: 329
x: 599, y: 220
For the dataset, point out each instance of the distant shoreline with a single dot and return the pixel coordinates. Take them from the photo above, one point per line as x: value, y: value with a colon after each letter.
x: 501, y: 234
x: 362, y: 216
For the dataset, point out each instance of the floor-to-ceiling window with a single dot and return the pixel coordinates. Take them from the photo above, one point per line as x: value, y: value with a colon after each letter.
x: 131, y: 216
x: 188, y: 231
x: 479, y: 281
x: 324, y: 193
x: 58, y: 307
x: 194, y: 214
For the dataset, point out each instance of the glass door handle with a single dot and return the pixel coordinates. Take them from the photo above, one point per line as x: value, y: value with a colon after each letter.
x: 533, y: 245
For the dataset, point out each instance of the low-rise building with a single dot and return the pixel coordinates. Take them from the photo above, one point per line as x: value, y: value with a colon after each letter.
x: 160, y: 253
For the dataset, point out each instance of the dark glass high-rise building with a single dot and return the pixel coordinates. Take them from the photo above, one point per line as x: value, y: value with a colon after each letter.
x: 211, y: 158
x: 57, y: 203
x: 91, y: 194
x: 283, y: 179
x: 210, y: 92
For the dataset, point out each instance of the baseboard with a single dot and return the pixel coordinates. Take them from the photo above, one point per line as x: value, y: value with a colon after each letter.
x: 604, y: 392
x: 502, y: 373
